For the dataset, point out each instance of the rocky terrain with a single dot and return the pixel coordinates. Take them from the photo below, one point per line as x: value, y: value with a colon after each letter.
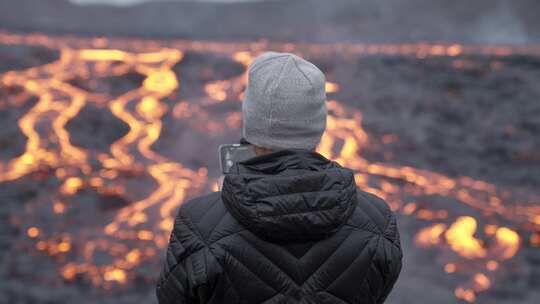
x: 470, y: 118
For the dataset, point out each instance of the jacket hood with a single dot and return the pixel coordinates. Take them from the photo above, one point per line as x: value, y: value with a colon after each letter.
x: 290, y: 195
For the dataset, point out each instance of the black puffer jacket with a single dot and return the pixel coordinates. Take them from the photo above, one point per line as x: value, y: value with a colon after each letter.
x: 288, y: 227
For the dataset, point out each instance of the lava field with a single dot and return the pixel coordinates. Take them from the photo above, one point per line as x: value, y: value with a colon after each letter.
x: 103, y: 139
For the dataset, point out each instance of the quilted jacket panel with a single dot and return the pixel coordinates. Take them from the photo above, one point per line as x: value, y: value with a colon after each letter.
x: 289, y: 227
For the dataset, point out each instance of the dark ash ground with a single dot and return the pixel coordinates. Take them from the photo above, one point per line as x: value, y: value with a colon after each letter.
x: 473, y: 115
x: 481, y: 120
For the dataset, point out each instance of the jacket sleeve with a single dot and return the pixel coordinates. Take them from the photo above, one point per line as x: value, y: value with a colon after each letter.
x: 182, y: 279
x: 173, y: 283
x: 389, y: 260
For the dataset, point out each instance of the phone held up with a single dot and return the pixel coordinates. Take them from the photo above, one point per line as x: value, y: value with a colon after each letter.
x: 231, y: 154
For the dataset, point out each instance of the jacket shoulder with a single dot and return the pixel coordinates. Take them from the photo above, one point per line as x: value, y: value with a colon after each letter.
x: 188, y: 261
x: 207, y: 217
x: 196, y: 208
x: 373, y: 213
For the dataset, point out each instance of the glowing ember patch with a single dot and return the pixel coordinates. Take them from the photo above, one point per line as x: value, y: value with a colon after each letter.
x: 166, y: 224
x: 450, y: 268
x: 60, y: 173
x: 96, y: 182
x: 137, y: 218
x: 467, y: 295
x: 490, y: 229
x: 492, y: 265
x: 216, y: 186
x: 145, y: 235
x: 495, y: 201
x: 117, y: 275
x: 243, y: 57
x: 72, y: 185
x: 59, y: 208
x: 27, y: 159
x: 536, y: 219
x: 150, y: 108
x: 202, y: 171
x: 33, y: 232
x: 507, y: 242
x: 133, y: 256
x: 161, y: 81
x: 460, y: 237
x: 331, y: 87
x: 535, y: 240
x: 147, y: 105
x: 438, y: 50
x: 41, y: 245
x: 430, y: 236
x: 216, y: 91
x: 482, y: 282
x: 69, y: 272
x: 409, y: 208
x: 454, y: 50
x: 103, y: 54
x: 64, y: 247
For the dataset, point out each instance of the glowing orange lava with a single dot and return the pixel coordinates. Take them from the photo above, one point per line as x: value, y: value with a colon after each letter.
x: 147, y: 222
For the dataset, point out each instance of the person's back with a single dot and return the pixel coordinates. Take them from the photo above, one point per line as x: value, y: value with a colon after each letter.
x: 289, y: 226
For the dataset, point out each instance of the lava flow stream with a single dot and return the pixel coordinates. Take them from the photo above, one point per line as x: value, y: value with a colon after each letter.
x: 139, y: 229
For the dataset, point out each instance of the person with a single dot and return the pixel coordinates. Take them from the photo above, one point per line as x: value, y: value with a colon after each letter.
x: 289, y: 225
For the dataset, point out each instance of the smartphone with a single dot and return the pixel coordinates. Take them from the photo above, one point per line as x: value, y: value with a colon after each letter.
x: 231, y: 154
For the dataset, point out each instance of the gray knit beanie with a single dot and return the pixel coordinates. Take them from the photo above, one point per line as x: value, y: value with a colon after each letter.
x: 285, y: 103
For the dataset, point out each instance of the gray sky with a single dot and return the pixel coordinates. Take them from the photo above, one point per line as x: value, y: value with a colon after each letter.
x: 131, y: 2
